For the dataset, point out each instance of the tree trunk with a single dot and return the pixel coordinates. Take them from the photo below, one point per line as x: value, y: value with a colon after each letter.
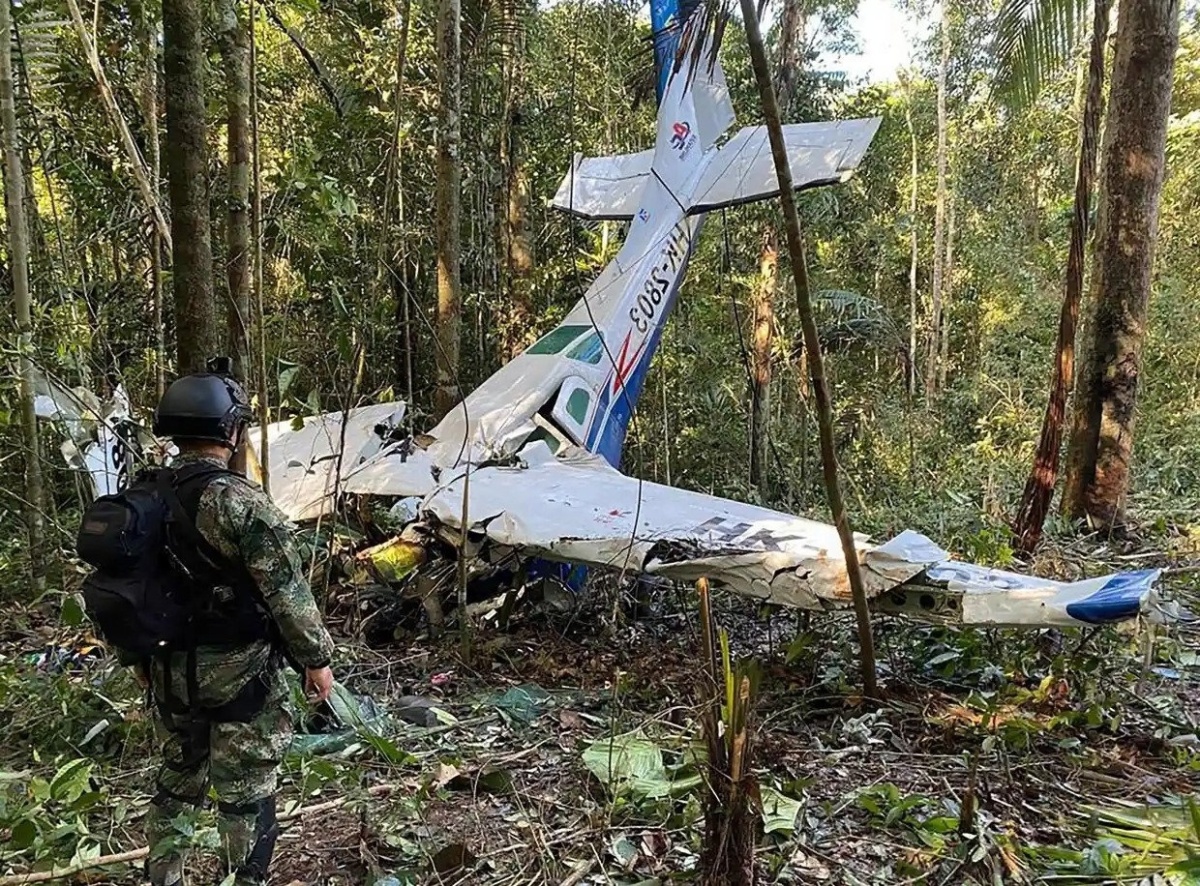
x: 233, y: 37
x: 933, y: 353
x: 1101, y: 447
x: 791, y: 51
x: 761, y: 341
x: 393, y: 251
x: 187, y: 170
x: 812, y: 342
x: 792, y: 25
x: 947, y: 291
x: 1039, y: 488
x: 264, y: 381
x: 516, y: 259
x: 148, y: 37
x: 18, y: 251
x: 449, y: 235
x: 913, y: 251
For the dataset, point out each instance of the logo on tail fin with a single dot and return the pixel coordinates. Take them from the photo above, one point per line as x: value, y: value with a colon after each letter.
x: 681, y: 130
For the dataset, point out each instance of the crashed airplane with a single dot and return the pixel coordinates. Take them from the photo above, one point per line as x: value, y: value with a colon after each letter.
x: 536, y: 448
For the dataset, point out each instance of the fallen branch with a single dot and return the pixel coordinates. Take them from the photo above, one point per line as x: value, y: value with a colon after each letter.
x: 71, y: 870
x: 581, y: 870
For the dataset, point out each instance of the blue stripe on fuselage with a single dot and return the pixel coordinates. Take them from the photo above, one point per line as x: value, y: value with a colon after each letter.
x: 606, y: 436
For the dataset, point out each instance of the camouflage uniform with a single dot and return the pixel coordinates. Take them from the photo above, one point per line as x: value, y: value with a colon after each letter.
x: 239, y: 760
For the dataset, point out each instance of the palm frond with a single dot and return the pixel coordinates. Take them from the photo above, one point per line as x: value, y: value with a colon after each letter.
x: 37, y: 45
x: 1034, y: 40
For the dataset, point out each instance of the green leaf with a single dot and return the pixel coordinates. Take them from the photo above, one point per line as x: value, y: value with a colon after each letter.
x: 24, y: 834
x: 633, y: 764
x: 71, y: 781
x: 779, y: 811
x: 1033, y: 40
x: 72, y: 613
x: 286, y: 377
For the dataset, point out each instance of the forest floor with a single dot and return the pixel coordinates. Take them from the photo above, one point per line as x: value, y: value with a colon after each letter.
x: 996, y: 756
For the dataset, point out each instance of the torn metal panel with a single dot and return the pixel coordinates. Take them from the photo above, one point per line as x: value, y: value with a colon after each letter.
x: 398, y: 470
x: 585, y: 512
x: 577, y: 509
x: 304, y: 455
x: 996, y: 597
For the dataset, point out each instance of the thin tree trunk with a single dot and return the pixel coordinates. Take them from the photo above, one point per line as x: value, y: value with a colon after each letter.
x: 1100, y: 454
x: 18, y: 251
x: 761, y: 346
x: 933, y: 352
x: 913, y: 251
x: 187, y: 170
x: 792, y: 27
x: 259, y: 295
x: 233, y: 38
x: 149, y: 39
x: 516, y: 259
x: 791, y: 50
x: 947, y: 291
x: 393, y: 261
x: 449, y: 234
x: 1039, y: 488
x: 812, y: 342
x: 132, y: 154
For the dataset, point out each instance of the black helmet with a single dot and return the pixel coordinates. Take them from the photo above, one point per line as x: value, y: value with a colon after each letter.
x: 203, y: 406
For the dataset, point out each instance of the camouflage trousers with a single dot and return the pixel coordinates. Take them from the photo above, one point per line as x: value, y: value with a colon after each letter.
x: 240, y: 762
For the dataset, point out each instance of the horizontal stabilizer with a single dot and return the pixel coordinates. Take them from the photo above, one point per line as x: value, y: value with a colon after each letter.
x: 743, y: 170
x: 604, y: 188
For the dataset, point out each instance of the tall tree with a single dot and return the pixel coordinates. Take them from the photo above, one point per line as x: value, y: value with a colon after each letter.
x: 449, y: 177
x: 196, y: 329
x: 933, y: 352
x: 812, y: 342
x: 18, y: 252
x: 234, y: 41
x: 762, y: 335
x: 148, y: 37
x: 913, y: 241
x: 1039, y: 488
x: 762, y: 331
x: 516, y: 259
x: 1100, y: 452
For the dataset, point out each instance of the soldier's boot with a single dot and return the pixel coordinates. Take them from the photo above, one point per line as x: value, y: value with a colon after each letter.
x: 249, y: 832
x: 165, y: 872
x: 164, y: 864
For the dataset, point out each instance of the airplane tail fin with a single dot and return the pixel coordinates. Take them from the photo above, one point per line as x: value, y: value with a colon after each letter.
x: 694, y: 112
x: 693, y: 115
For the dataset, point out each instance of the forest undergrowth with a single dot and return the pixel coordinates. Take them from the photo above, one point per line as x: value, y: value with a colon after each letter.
x: 565, y: 752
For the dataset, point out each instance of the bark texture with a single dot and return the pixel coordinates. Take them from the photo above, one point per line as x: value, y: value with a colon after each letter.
x: 234, y: 41
x: 18, y: 251
x: 196, y: 332
x: 1100, y: 454
x: 449, y: 177
x: 1039, y: 488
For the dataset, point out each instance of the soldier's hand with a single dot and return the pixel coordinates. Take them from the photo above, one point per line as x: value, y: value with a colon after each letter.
x: 318, y: 683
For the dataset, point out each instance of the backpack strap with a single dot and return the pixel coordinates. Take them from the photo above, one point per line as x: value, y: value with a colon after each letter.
x: 183, y: 519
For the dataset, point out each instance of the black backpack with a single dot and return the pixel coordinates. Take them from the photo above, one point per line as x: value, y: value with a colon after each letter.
x: 152, y: 589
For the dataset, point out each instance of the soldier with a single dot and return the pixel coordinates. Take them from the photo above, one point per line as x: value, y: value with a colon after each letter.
x: 221, y: 707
